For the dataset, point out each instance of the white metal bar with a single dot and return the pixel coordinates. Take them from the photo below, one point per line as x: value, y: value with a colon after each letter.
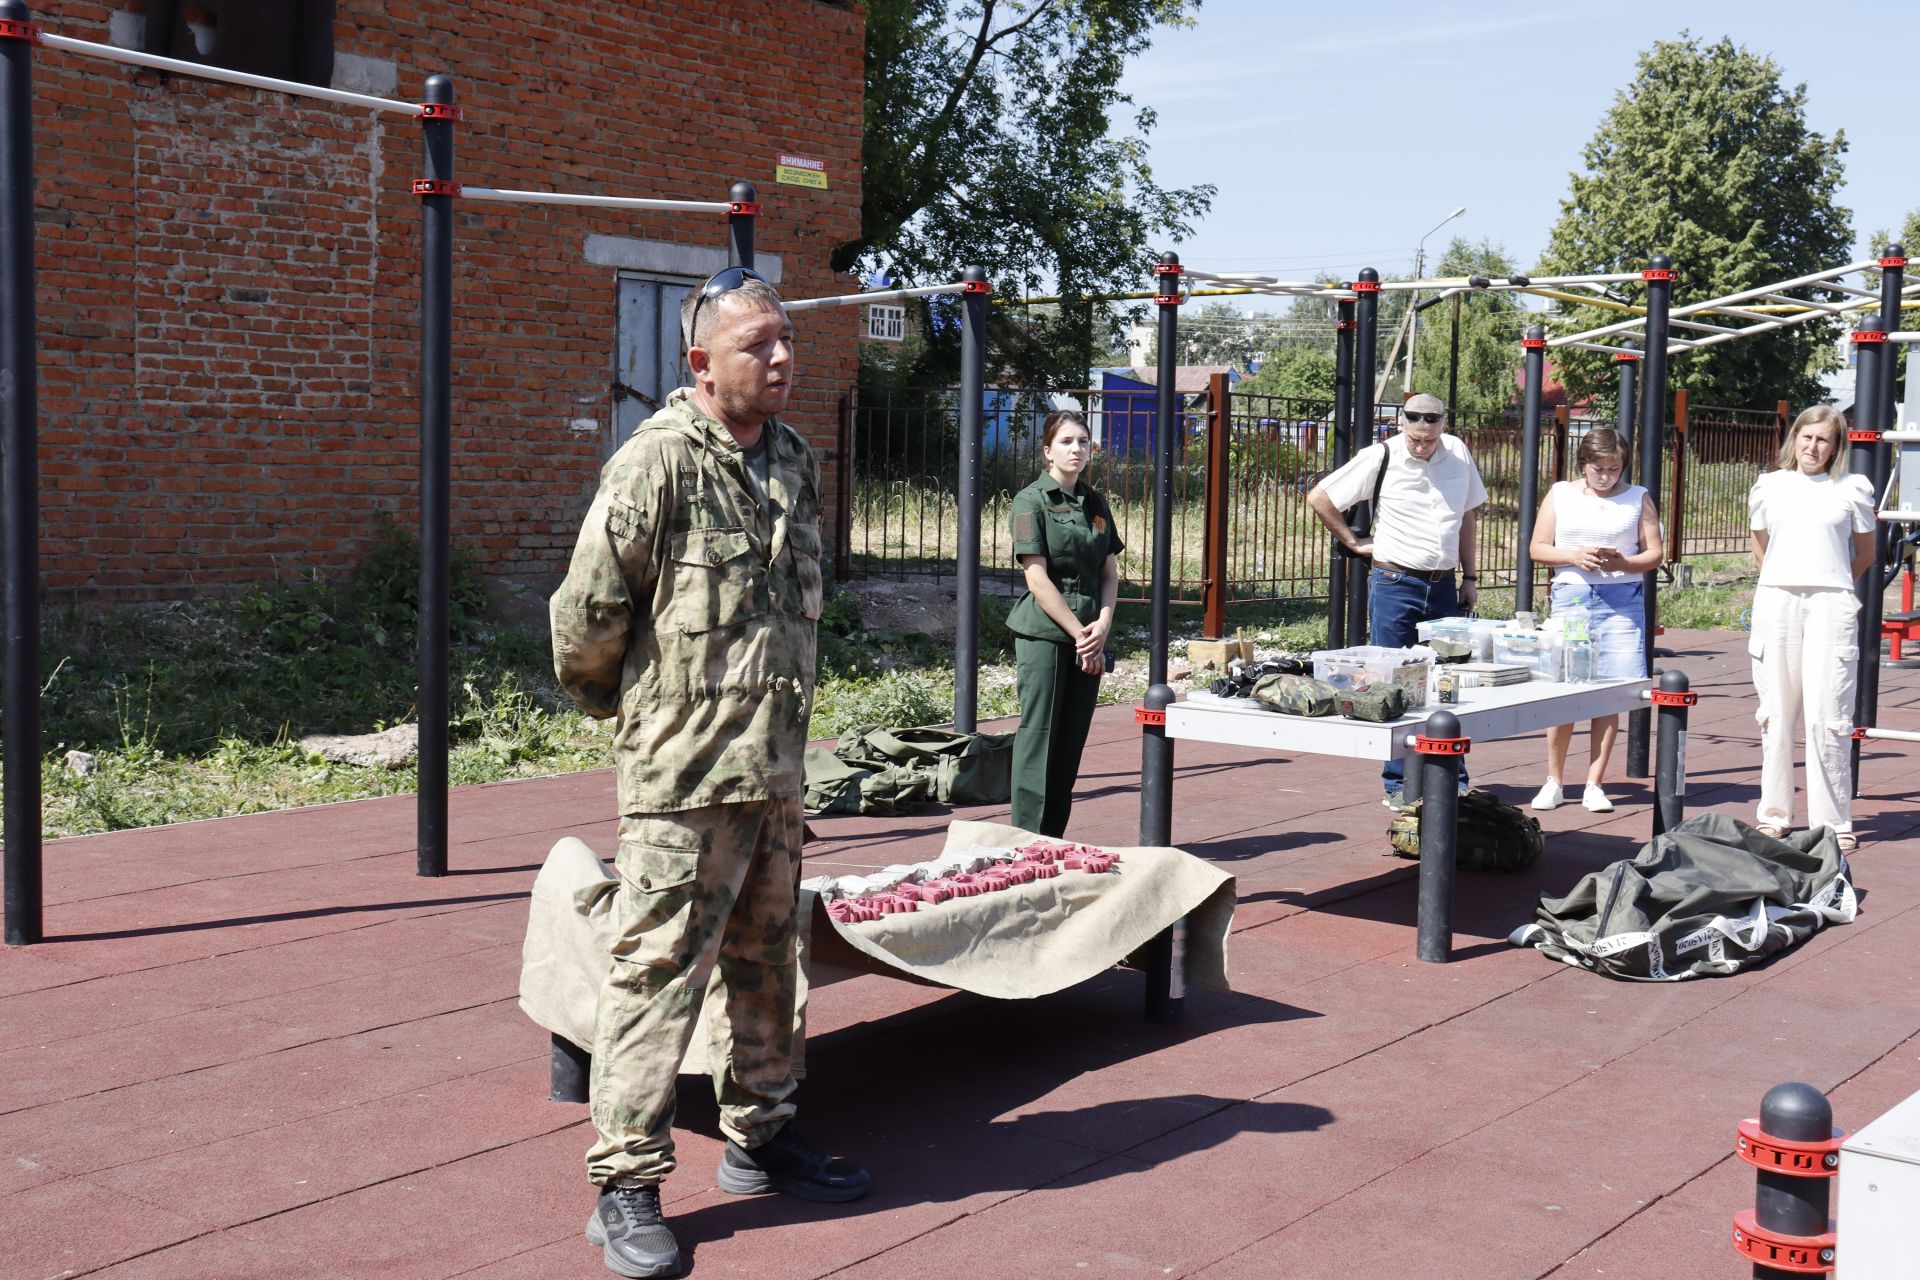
x: 1904, y: 335
x: 881, y: 295
x: 201, y: 71
x: 1587, y: 346
x: 1745, y: 295
x: 1501, y: 282
x: 1891, y: 735
x: 1703, y: 327
x: 594, y: 202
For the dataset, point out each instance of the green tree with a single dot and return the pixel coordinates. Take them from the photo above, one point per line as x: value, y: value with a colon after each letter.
x: 1707, y: 157
x: 991, y: 138
x: 1491, y: 326
x: 1299, y: 372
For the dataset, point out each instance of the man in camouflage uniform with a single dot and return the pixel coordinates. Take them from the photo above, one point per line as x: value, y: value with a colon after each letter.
x: 689, y: 615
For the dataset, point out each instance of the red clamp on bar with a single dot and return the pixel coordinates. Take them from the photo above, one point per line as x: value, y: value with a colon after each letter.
x: 1859, y: 733
x: 1533, y: 344
x: 442, y: 111
x: 1625, y: 357
x: 1810, y: 1255
x: 1142, y: 715
x: 1784, y: 1155
x: 1892, y: 261
x: 1663, y: 698
x: 435, y: 187
x: 746, y: 208
x: 14, y: 30
x: 1166, y: 268
x: 1440, y: 746
x: 1341, y: 326
x: 1169, y: 299
x: 1366, y: 286
x: 1864, y: 435
x: 977, y: 286
x: 1657, y: 273
x: 1869, y: 335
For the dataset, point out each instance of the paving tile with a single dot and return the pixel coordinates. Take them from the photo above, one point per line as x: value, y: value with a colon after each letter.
x: 72, y: 1226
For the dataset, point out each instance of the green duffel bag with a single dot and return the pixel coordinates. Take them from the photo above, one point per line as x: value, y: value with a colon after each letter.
x: 959, y: 768
x: 1380, y: 703
x: 1494, y: 836
x: 1297, y: 695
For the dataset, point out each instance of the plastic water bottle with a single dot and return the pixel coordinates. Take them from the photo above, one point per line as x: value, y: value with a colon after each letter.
x: 1580, y: 660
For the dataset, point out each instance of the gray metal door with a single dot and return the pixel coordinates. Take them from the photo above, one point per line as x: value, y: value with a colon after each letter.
x: 647, y: 363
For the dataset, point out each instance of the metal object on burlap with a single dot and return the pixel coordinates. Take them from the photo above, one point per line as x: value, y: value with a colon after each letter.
x: 1493, y: 836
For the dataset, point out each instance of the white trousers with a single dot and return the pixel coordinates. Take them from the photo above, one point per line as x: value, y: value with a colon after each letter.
x: 1805, y: 650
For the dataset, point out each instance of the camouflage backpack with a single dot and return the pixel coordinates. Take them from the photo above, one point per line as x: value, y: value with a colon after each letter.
x: 1379, y: 703
x: 1297, y: 695
x: 1493, y: 836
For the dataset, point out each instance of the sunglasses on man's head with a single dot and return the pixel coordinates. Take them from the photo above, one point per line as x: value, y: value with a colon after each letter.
x: 719, y: 283
x: 1411, y: 416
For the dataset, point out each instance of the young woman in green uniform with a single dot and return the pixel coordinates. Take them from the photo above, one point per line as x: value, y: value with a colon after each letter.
x: 1066, y: 541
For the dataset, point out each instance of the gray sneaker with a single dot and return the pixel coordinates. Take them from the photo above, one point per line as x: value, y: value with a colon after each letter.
x: 633, y: 1236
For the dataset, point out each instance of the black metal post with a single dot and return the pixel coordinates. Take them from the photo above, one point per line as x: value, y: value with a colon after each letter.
x: 1866, y: 710
x: 1453, y: 359
x: 1652, y: 442
x: 570, y: 1072
x: 1342, y: 447
x: 1165, y: 991
x: 20, y: 441
x: 1873, y: 357
x: 1366, y: 363
x: 1793, y: 1204
x: 1439, y: 765
x: 746, y: 207
x: 1626, y: 408
x: 1535, y: 346
x: 966, y: 631
x: 1671, y: 700
x: 436, y: 432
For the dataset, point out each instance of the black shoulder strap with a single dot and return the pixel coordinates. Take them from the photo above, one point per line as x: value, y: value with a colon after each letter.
x: 1378, y: 480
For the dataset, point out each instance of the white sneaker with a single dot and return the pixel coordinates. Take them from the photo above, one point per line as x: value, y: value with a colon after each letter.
x: 1594, y: 800
x: 1548, y: 797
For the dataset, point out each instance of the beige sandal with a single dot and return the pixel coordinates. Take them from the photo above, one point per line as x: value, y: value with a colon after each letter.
x: 1774, y: 833
x: 1846, y: 842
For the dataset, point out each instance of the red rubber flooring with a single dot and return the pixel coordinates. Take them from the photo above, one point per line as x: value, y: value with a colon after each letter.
x: 262, y: 1047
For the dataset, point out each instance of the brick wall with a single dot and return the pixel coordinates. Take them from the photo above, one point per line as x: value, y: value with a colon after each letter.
x: 228, y: 279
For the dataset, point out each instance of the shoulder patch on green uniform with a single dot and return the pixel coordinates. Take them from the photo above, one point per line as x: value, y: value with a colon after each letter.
x: 1023, y: 527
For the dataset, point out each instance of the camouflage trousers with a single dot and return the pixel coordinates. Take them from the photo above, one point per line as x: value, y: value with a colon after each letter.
x: 705, y: 895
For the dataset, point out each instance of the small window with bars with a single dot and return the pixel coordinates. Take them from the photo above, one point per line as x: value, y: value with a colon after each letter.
x: 886, y: 323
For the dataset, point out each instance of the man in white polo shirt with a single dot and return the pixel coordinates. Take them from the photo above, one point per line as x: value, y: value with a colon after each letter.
x: 1423, y: 526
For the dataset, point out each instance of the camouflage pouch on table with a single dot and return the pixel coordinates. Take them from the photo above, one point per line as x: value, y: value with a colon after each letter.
x: 1296, y: 695
x: 1493, y: 836
x: 1450, y: 650
x: 1380, y: 703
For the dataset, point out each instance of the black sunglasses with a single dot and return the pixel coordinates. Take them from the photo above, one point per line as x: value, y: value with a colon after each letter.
x: 720, y: 282
x: 1411, y: 416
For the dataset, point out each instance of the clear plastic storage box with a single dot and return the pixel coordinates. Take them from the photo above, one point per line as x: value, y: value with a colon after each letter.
x: 1477, y: 632
x: 1369, y: 664
x: 1534, y: 649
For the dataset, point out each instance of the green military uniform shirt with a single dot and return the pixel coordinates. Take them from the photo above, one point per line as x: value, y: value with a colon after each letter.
x: 1076, y: 533
x: 689, y: 612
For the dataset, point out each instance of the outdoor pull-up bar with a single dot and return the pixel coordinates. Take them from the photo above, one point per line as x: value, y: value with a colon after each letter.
x: 632, y: 203
x: 891, y: 295
x: 202, y: 71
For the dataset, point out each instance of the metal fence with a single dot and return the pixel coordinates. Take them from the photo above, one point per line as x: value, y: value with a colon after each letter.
x: 900, y: 462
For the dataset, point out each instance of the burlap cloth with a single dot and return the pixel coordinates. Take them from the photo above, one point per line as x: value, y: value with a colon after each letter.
x: 1012, y: 944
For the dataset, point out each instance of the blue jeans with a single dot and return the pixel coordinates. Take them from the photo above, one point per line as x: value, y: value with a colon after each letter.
x: 1396, y: 604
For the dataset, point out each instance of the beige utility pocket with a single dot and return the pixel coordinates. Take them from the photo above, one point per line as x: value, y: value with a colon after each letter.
x: 658, y: 884
x: 716, y: 581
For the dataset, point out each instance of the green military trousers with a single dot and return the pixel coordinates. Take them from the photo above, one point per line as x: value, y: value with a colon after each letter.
x: 1056, y: 708
x: 706, y: 894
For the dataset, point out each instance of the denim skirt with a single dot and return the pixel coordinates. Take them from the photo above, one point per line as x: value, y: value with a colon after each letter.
x: 1617, y: 620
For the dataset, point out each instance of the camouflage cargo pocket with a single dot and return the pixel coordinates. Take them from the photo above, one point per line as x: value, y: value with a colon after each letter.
x: 659, y: 866
x: 803, y: 540
x: 716, y: 581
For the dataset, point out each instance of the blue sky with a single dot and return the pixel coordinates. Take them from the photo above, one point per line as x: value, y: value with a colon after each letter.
x: 1339, y: 133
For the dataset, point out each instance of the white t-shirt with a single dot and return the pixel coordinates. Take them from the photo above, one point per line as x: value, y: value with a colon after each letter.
x: 1421, y: 503
x: 1810, y: 522
x: 1582, y: 519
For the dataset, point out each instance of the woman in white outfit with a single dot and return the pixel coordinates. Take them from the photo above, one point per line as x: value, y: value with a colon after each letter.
x: 1813, y: 533
x: 1602, y: 536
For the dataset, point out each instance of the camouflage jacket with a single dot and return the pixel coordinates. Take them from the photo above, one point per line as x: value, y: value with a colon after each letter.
x: 689, y: 613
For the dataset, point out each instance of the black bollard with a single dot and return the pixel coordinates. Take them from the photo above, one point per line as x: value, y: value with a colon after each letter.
x: 20, y: 444
x: 571, y: 1070
x: 1440, y: 750
x: 744, y: 204
x: 437, y: 192
x: 1797, y: 1152
x: 1366, y: 360
x: 1671, y: 699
